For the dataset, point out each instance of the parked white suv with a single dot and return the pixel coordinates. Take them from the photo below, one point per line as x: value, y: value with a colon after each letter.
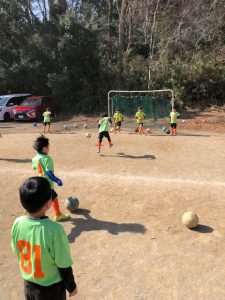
x: 8, y: 103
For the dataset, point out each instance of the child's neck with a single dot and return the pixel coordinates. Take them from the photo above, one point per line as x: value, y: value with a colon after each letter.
x: 37, y: 215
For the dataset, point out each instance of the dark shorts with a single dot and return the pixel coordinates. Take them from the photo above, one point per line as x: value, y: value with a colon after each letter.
x: 54, y: 194
x: 118, y: 123
x: 173, y: 125
x: 46, y: 123
x: 104, y: 134
x: 33, y: 291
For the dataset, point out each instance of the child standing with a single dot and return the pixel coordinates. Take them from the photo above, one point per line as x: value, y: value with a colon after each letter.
x: 47, y: 120
x: 41, y: 246
x: 118, y: 119
x: 43, y: 163
x: 140, y: 115
x: 103, y: 125
x: 173, y: 121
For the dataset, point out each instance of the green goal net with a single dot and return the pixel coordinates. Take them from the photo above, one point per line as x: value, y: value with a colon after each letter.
x: 156, y: 105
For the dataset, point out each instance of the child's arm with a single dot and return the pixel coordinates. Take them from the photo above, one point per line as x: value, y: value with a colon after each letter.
x: 54, y: 178
x: 68, y: 280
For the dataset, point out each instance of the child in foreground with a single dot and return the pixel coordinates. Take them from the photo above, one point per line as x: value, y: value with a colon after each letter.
x: 43, y: 163
x: 103, y: 125
x: 41, y: 246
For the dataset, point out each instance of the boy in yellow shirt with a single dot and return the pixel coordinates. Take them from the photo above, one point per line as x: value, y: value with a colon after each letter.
x: 140, y: 115
x: 118, y: 119
x: 173, y: 121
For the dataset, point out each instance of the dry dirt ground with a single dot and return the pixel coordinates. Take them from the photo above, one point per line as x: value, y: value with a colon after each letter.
x: 127, y: 240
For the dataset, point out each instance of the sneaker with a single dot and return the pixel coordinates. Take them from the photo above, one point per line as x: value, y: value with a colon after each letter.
x: 62, y: 217
x: 98, y: 151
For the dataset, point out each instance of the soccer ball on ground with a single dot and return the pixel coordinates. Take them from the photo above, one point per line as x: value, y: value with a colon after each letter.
x: 65, y: 126
x: 88, y: 135
x: 190, y: 219
x: 72, y: 204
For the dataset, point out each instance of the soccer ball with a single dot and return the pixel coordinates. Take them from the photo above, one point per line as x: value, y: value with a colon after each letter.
x: 190, y: 219
x: 112, y: 129
x: 72, y: 204
x: 164, y: 129
x: 167, y: 131
x: 65, y: 126
x: 88, y: 135
x: 85, y: 125
x: 148, y: 130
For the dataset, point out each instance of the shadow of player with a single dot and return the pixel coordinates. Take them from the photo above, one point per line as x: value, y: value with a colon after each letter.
x: 123, y: 155
x: 91, y: 224
x: 15, y: 160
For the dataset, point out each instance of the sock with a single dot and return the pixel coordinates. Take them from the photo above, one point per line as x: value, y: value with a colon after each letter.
x: 55, y: 205
x: 99, y: 146
x: 175, y: 130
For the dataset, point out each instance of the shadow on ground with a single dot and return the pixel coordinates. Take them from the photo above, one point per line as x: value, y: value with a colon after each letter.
x: 203, y: 229
x: 90, y: 224
x: 123, y: 155
x: 15, y: 160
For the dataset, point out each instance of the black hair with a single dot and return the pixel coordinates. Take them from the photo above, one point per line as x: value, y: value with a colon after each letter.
x: 104, y: 115
x: 34, y: 193
x: 40, y: 143
x: 139, y: 107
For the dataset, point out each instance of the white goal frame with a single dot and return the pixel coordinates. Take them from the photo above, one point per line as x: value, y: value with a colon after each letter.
x: 135, y: 93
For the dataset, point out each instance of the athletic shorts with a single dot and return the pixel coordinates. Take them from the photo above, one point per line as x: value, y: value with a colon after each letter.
x: 54, y: 194
x: 173, y: 125
x: 104, y: 134
x: 118, y: 123
x: 33, y: 291
x: 46, y: 123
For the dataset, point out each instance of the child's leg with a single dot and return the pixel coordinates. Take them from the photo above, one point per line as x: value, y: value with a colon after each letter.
x: 55, y: 204
x: 106, y: 134
x: 175, y: 129
x: 49, y: 127
x: 100, y: 137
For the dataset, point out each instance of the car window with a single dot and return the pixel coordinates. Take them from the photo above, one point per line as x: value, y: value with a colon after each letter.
x: 3, y: 100
x: 11, y: 102
x: 31, y: 102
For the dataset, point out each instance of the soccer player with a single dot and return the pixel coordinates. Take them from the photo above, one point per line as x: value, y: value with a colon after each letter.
x: 103, y: 125
x: 140, y: 115
x: 118, y: 119
x: 41, y: 246
x: 173, y: 121
x: 43, y: 163
x: 47, y: 120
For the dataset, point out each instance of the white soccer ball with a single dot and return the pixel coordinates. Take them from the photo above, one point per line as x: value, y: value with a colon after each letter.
x: 190, y: 219
x: 88, y: 135
x: 183, y: 121
x: 164, y: 129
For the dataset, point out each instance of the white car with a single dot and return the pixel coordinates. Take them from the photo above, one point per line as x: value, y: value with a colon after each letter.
x: 8, y: 103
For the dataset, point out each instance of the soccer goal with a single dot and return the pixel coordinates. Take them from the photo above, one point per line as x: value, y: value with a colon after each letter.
x: 156, y: 105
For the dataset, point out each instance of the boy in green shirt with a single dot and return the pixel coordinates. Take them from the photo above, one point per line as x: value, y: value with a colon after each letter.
x: 47, y: 120
x: 103, y: 125
x: 173, y: 121
x: 41, y: 246
x: 43, y: 163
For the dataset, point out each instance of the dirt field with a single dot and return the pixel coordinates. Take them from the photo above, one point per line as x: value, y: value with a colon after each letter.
x: 127, y: 241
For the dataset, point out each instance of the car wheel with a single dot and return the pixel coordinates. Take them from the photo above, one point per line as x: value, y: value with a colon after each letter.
x: 6, y: 117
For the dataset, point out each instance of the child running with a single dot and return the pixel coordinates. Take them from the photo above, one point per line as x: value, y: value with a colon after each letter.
x: 173, y: 121
x: 103, y: 125
x: 47, y: 120
x: 41, y: 246
x: 43, y: 163
x: 118, y: 119
x: 140, y: 115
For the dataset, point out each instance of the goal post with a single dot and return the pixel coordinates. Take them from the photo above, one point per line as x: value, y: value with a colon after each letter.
x: 156, y: 103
